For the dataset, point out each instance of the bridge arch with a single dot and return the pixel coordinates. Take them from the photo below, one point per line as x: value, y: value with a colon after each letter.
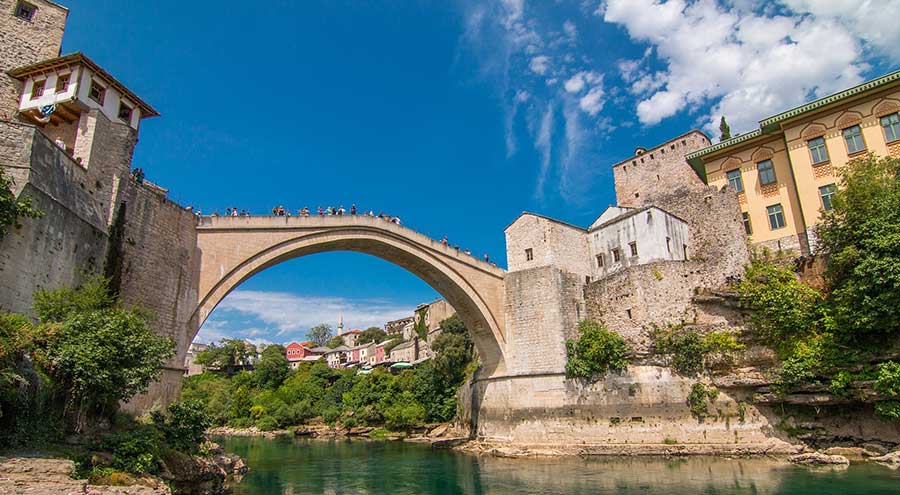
x: 233, y: 249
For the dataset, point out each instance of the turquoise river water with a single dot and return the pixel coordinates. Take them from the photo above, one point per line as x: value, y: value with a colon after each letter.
x: 287, y: 466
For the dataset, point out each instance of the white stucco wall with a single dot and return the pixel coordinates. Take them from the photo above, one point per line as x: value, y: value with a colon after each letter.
x: 648, y: 227
x: 79, y: 88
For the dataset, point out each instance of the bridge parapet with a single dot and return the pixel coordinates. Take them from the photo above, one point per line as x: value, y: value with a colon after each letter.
x: 316, y: 222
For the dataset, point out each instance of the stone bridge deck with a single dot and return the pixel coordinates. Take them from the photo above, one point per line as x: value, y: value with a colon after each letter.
x: 232, y: 249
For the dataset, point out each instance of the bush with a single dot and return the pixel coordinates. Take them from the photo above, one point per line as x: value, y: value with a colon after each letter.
x: 184, y: 427
x: 405, y: 413
x: 782, y: 306
x: 595, y: 352
x: 861, y: 237
x: 135, y: 451
x: 267, y: 423
x: 699, y: 398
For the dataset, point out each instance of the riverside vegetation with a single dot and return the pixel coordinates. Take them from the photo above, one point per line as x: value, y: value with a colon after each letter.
x: 63, y: 377
x: 842, y: 335
x: 272, y: 396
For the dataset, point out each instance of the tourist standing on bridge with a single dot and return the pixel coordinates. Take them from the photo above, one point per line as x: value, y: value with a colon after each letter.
x: 395, y: 220
x: 444, y: 240
x: 353, y: 209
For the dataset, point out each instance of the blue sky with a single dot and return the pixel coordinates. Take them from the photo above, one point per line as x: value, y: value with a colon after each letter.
x: 454, y: 115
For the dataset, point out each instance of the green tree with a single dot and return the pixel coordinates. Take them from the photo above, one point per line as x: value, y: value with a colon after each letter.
x: 595, y: 352
x: 334, y: 342
x: 185, y: 425
x: 97, y: 352
x: 371, y: 334
x: 228, y: 355
x: 724, y: 130
x: 861, y: 237
x: 320, y: 334
x: 12, y: 208
x: 273, y: 367
x: 782, y: 306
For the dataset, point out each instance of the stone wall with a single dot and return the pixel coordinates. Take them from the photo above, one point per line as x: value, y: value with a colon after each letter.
x: 154, y: 262
x: 26, y: 42
x: 543, y: 306
x: 67, y: 243
x: 551, y: 243
x: 642, y: 410
x: 643, y: 178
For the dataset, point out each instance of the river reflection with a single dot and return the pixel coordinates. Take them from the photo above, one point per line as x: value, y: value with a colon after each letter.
x: 293, y: 467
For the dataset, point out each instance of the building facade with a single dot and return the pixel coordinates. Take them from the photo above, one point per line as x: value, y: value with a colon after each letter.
x: 786, y: 171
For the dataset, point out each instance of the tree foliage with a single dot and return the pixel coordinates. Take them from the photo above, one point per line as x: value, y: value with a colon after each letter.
x: 97, y: 352
x: 689, y: 352
x: 724, y: 130
x: 595, y: 352
x: 320, y: 334
x: 227, y: 355
x: 372, y: 334
x: 315, y: 392
x: 273, y: 367
x: 861, y: 237
x: 11, y: 208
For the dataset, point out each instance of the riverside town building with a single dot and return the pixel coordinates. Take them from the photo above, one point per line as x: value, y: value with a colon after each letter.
x: 785, y: 171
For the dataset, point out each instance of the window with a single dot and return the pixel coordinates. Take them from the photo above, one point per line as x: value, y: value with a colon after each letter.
x: 599, y: 261
x: 766, y: 172
x: 37, y: 89
x: 684, y: 250
x: 529, y: 254
x: 735, y: 181
x: 855, y: 143
x: 633, y: 246
x: 817, y: 150
x: 62, y: 82
x: 776, y: 216
x: 616, y: 255
x: 628, y: 312
x: 669, y: 244
x: 747, y: 227
x: 826, y: 193
x: 25, y: 11
x: 891, y: 125
x: 125, y: 114
x: 98, y: 92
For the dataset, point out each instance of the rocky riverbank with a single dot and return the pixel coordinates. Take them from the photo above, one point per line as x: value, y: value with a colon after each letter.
x: 439, y: 434
x: 179, y: 474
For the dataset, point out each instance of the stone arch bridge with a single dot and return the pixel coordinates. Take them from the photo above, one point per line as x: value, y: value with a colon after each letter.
x: 232, y: 249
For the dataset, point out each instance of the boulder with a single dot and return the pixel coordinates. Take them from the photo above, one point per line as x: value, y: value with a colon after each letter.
x: 819, y: 459
x: 359, y: 430
x: 439, y: 431
x: 852, y: 453
x: 892, y: 458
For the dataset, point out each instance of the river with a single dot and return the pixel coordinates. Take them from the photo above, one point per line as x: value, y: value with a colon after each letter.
x: 292, y: 467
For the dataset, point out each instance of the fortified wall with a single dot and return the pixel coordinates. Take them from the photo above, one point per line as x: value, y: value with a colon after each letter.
x: 75, y: 165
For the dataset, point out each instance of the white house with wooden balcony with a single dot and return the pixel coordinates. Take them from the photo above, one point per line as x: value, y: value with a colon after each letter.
x: 74, y: 83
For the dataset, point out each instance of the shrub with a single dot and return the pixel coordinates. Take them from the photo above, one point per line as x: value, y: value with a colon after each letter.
x: 698, y: 399
x: 861, y: 237
x: 184, y: 427
x: 134, y: 451
x: 405, y: 413
x: 595, y: 352
x: 688, y: 351
x: 782, y: 306
x: 267, y: 423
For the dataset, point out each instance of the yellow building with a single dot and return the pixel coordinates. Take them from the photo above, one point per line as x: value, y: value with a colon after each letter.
x: 785, y: 171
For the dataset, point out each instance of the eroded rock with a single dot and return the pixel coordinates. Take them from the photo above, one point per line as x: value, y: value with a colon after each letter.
x: 819, y: 459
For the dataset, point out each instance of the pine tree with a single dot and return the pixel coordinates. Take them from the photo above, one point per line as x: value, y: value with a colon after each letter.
x: 724, y: 129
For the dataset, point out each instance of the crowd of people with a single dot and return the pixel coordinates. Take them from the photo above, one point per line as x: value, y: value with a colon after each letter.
x: 280, y: 211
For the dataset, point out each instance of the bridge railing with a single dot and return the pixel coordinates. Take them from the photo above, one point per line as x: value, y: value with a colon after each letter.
x: 325, y: 221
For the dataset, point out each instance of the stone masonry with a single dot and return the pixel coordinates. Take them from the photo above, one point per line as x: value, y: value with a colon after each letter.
x: 26, y: 42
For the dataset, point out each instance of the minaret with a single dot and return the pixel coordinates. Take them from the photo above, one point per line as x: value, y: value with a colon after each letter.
x: 340, y: 328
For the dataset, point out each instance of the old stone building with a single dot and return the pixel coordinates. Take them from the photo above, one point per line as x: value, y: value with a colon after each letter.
x: 641, y: 262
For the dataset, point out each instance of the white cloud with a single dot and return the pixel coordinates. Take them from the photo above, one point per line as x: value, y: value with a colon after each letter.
x: 593, y: 101
x: 289, y: 316
x: 540, y: 64
x: 743, y: 64
x: 570, y: 29
x: 544, y: 144
x: 876, y: 22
